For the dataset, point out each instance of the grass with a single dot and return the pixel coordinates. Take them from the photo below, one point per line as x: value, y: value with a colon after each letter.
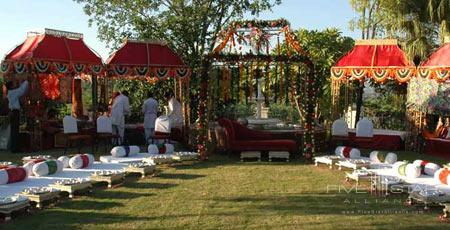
x: 225, y: 193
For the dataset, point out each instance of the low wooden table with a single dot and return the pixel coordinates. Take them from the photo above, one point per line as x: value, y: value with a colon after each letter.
x: 251, y: 154
x: 73, y: 188
x: 352, y: 164
x: 358, y: 176
x: 416, y: 197
x: 144, y: 171
x: 382, y: 188
x: 40, y: 199
x: 327, y: 160
x: 113, y: 179
x: 8, y: 209
x: 279, y: 154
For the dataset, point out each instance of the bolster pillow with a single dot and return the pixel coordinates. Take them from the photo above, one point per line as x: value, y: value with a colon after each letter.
x: 348, y: 152
x: 161, y: 149
x: 29, y: 166
x: 426, y: 167
x: 81, y: 161
x: 403, y: 168
x: 442, y: 176
x: 12, y: 175
x: 48, y: 167
x: 125, y: 151
x: 65, y: 161
x: 381, y: 157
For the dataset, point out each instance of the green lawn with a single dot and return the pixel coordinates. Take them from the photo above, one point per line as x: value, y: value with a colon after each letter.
x: 225, y: 193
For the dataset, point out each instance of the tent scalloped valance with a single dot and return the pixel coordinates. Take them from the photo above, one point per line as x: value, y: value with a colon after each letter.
x: 161, y: 73
x: 378, y: 74
x: 50, y: 67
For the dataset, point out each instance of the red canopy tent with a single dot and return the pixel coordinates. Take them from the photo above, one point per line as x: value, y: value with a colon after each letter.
x: 377, y: 59
x: 429, y: 94
x: 53, y: 52
x: 50, y: 55
x: 146, y: 59
x: 151, y: 61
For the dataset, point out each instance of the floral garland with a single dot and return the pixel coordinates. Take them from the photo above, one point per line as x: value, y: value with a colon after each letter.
x: 378, y: 74
x: 50, y: 86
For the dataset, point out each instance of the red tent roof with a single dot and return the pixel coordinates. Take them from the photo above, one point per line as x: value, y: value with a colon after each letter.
x: 440, y: 58
x: 378, y: 59
x: 51, y: 48
x: 146, y: 59
x: 149, y: 54
x: 437, y: 66
x: 370, y: 53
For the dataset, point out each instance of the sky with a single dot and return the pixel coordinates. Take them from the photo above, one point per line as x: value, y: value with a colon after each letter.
x: 21, y: 16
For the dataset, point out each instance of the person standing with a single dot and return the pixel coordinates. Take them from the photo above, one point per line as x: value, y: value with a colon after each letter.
x: 120, y: 108
x: 150, y: 110
x: 14, y: 94
x: 174, y: 112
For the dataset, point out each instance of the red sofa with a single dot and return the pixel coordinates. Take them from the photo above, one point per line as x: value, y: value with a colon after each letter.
x: 240, y: 138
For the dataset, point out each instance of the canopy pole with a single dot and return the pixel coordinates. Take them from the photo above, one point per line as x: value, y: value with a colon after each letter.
x: 77, y: 100
x: 94, y: 97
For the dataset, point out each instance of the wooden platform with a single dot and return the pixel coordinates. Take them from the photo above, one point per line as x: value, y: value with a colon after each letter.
x: 144, y: 171
x: 251, y: 155
x: 73, y: 188
x: 279, y: 155
x: 352, y: 164
x: 113, y: 179
x: 8, y: 209
x: 42, y: 198
x: 330, y: 161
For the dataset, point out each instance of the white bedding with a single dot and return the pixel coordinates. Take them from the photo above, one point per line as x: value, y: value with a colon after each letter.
x: 131, y: 159
x: 67, y: 173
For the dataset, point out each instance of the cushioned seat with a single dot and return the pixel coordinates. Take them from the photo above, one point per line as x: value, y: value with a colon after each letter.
x: 240, y: 138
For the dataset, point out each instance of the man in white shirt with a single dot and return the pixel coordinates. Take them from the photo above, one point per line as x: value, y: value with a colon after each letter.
x: 150, y: 110
x: 174, y: 112
x: 14, y: 94
x: 120, y: 108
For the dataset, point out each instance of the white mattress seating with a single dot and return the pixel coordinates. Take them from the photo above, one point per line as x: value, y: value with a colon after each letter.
x: 131, y: 159
x: 158, y: 159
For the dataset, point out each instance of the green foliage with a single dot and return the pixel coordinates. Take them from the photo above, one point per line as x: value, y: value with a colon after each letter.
x: 387, y: 110
x: 285, y: 113
x: 234, y: 110
x: 418, y: 24
x: 325, y: 48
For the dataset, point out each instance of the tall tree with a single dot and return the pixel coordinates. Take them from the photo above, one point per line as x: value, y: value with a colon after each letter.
x: 189, y: 26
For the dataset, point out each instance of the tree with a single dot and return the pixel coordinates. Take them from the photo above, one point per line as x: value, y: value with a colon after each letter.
x: 325, y: 48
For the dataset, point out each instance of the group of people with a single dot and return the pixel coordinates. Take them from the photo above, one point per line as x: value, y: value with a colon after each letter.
x: 120, y: 107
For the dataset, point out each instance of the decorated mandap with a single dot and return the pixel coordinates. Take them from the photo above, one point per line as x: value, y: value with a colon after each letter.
x: 254, y: 53
x: 370, y: 60
x: 54, y: 62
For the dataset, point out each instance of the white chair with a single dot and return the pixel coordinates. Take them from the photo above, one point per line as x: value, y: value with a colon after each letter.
x: 105, y: 132
x: 72, y: 135
x: 339, y: 128
x: 364, y: 128
x: 162, y: 129
x: 339, y: 133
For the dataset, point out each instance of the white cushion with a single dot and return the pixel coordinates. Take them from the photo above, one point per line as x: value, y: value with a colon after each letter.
x: 364, y: 128
x: 70, y: 124
x: 339, y: 128
x: 162, y: 124
x: 104, y: 124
